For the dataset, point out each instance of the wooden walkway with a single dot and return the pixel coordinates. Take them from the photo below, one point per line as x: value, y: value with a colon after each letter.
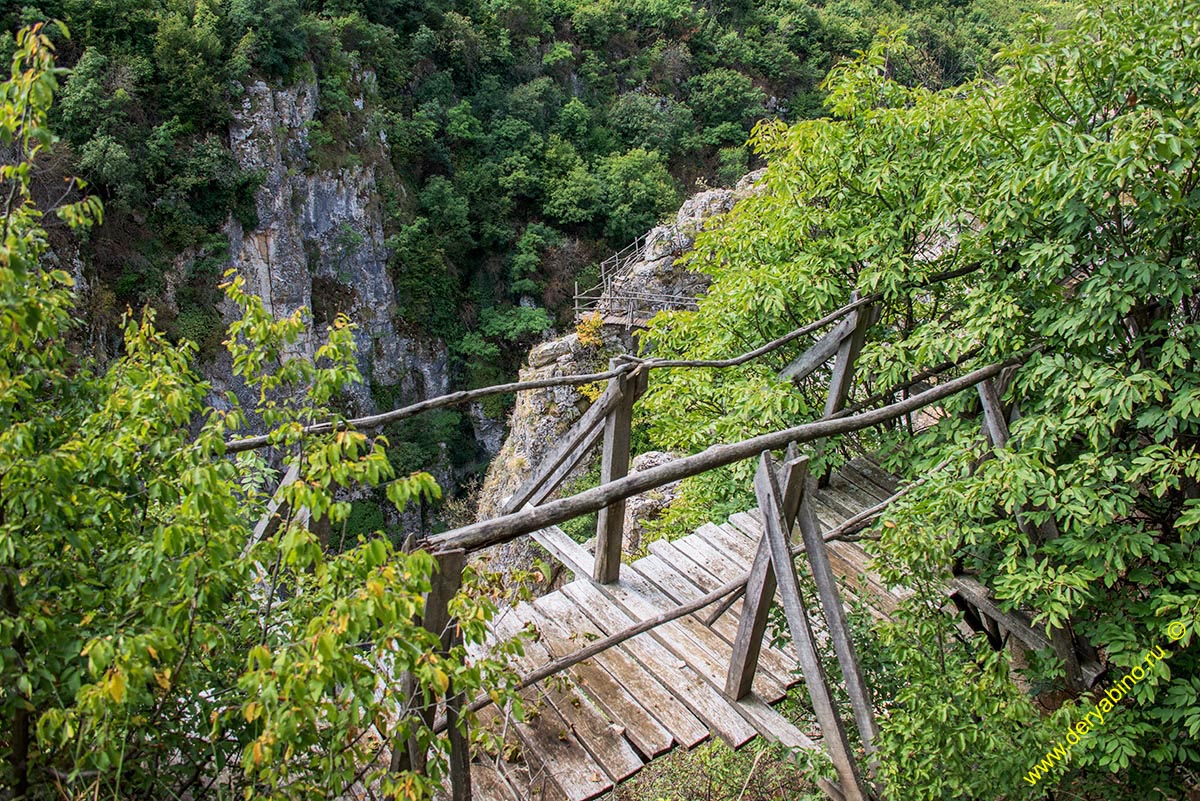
x: 597, y: 724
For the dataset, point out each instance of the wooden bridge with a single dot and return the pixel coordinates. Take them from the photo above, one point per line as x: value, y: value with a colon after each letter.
x: 666, y: 687
x: 672, y: 649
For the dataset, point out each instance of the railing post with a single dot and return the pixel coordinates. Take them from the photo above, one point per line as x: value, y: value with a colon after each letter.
x: 614, y: 464
x: 444, y: 585
x: 771, y: 504
x: 835, y: 621
x: 995, y: 425
x: 843, y: 368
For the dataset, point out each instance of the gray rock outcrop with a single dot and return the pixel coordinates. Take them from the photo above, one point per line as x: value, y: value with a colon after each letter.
x: 319, y: 241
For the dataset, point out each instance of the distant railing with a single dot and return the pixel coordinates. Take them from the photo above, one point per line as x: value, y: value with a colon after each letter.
x: 612, y: 298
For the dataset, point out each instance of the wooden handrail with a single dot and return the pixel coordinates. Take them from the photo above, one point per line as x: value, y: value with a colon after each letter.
x: 504, y: 529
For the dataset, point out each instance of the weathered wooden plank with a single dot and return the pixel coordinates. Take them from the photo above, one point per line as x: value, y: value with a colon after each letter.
x: 770, y: 502
x: 614, y: 465
x: 784, y: 665
x: 548, y: 738
x: 687, y: 729
x: 737, y: 551
x: 571, y: 554
x: 682, y: 590
x: 857, y: 502
x: 870, y: 470
x: 774, y: 726
x: 646, y: 734
x: 488, y: 785
x: 593, y: 728
x: 687, y: 638
x: 840, y: 504
x: 839, y: 631
x: 863, y: 486
x: 699, y: 551
x: 748, y: 524
x: 575, y: 444
x: 674, y: 673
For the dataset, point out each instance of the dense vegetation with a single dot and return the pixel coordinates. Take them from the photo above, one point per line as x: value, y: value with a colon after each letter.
x: 1069, y: 187
x: 151, y: 645
x: 527, y: 139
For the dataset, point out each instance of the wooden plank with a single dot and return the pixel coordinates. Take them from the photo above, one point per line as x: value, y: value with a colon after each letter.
x: 548, y: 737
x: 774, y: 726
x: 687, y: 638
x: 746, y: 525
x: 862, y: 485
x: 845, y: 508
x: 645, y: 733
x: 488, y: 785
x: 686, y: 729
x: 684, y: 564
x: 683, y: 681
x: 707, y: 582
x: 699, y: 551
x: 593, y: 728
x: 839, y: 630
x: 837, y: 745
x: 566, y: 455
x: 571, y: 554
x: 682, y: 590
x: 847, y: 496
x: 731, y: 544
x: 870, y: 470
x: 614, y: 465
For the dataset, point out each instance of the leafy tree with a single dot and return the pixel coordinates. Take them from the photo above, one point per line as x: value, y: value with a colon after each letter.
x: 152, y: 645
x: 1067, y: 187
x: 638, y: 190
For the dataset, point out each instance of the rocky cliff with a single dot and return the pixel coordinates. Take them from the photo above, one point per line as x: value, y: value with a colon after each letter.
x: 319, y: 241
x: 539, y: 418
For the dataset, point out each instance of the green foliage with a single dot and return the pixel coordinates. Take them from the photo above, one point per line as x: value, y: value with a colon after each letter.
x: 1068, y: 187
x: 150, y: 642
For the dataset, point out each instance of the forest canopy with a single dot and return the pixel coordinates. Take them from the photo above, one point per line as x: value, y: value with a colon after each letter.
x: 525, y: 140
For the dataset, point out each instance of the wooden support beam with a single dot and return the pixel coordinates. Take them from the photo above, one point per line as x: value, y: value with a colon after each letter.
x: 610, y: 525
x: 770, y: 502
x: 760, y: 590
x: 843, y: 369
x: 822, y: 351
x: 444, y: 585
x: 569, y: 451
x: 835, y: 619
x: 996, y: 425
x: 842, y: 376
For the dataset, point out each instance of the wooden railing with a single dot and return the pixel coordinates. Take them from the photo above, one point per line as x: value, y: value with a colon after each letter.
x: 783, y: 504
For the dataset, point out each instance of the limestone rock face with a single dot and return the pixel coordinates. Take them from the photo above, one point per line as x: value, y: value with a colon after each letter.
x: 641, y: 509
x: 319, y: 241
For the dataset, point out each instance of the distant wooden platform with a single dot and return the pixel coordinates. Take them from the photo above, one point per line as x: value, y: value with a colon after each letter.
x: 598, y: 723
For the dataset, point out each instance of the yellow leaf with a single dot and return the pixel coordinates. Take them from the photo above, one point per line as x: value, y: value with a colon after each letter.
x: 163, y: 677
x: 116, y: 686
x: 889, y: 524
x: 252, y: 711
x: 153, y: 653
x: 441, y: 680
x: 375, y: 587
